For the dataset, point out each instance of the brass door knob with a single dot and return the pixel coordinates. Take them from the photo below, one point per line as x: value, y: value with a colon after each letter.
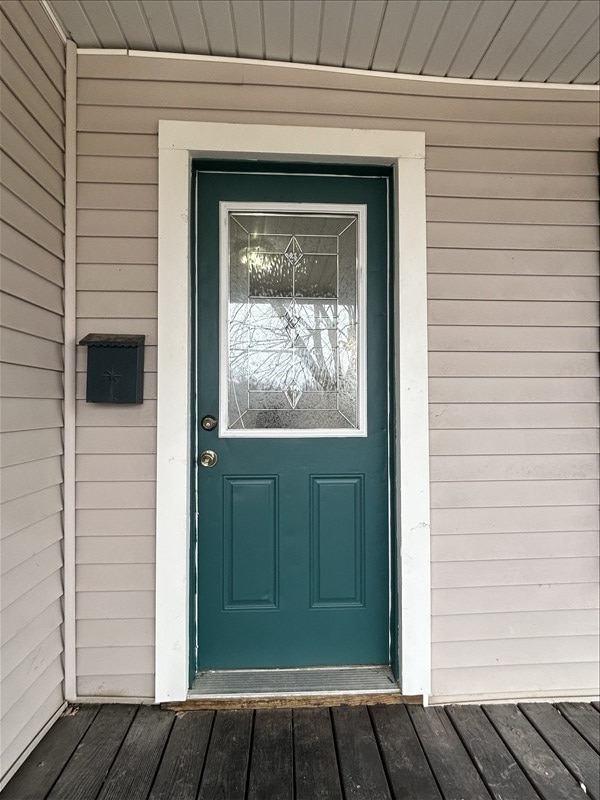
x: 208, y: 458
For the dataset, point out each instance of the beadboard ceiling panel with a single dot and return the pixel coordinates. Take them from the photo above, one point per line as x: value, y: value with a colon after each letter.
x: 247, y: 21
x: 132, y: 25
x: 101, y: 18
x: 277, y: 27
x: 305, y: 36
x: 553, y: 41
x: 218, y: 22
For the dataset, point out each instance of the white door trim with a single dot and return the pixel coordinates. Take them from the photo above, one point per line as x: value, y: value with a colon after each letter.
x: 178, y: 143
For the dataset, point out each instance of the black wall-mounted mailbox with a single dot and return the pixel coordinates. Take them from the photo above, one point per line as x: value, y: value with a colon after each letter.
x: 115, y: 368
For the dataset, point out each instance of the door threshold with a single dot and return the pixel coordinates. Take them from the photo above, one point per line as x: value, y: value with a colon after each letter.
x: 287, y: 688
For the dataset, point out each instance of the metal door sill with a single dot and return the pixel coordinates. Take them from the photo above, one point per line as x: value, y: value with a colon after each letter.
x: 350, y: 685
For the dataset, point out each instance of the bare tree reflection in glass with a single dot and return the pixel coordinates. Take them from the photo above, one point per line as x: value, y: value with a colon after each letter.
x: 293, y: 292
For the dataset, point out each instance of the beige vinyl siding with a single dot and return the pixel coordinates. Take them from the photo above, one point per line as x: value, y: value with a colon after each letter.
x: 31, y: 379
x: 513, y: 286
x: 514, y: 358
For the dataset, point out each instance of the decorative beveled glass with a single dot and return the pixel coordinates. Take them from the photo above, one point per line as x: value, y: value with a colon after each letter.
x: 292, y: 292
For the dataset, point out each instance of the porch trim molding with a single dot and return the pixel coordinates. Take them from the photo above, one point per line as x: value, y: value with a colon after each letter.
x: 178, y: 143
x: 70, y: 375
x: 297, y: 65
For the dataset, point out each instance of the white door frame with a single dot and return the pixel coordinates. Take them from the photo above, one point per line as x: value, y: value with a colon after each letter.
x: 178, y: 143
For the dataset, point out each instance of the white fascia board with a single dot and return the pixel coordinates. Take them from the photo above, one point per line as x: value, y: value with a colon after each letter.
x: 400, y: 76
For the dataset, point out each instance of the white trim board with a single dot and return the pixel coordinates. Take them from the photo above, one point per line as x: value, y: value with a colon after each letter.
x: 54, y: 20
x: 179, y: 142
x: 403, y: 76
x: 70, y: 375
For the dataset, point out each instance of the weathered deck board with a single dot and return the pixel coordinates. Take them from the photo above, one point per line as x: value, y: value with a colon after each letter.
x: 272, y: 759
x: 37, y: 776
x: 490, y: 755
x: 449, y: 760
x: 409, y: 773
x: 226, y: 767
x: 362, y: 772
x: 134, y: 768
x: 380, y: 752
x: 550, y: 777
x: 180, y: 769
x: 582, y: 718
x: 579, y: 758
x: 317, y: 775
x: 87, y: 769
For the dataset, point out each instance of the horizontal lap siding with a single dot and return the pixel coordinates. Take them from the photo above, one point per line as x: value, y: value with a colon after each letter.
x: 116, y: 447
x: 513, y: 371
x: 31, y: 349
x: 512, y: 198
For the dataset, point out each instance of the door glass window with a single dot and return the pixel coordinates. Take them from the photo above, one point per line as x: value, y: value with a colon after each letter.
x: 292, y: 295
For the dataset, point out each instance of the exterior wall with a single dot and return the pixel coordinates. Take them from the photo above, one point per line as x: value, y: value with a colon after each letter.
x: 513, y: 240
x: 31, y: 302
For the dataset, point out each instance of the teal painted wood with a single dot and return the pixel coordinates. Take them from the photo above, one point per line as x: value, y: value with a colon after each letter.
x: 250, y: 542
x: 337, y: 526
x: 292, y: 543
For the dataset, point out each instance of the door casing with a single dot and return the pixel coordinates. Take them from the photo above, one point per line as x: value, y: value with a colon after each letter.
x: 179, y: 142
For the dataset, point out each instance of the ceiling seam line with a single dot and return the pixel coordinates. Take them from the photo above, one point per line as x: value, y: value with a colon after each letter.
x: 236, y: 45
x: 320, y: 36
x: 407, y: 36
x: 592, y: 59
x: 561, y: 62
x: 514, y: 49
x: 263, y: 38
x: 435, y: 38
x: 552, y: 38
x: 549, y: 42
x: 116, y: 21
x: 205, y: 25
x: 349, y: 34
x: 176, y: 25
x: 147, y: 24
x: 498, y: 31
x: 378, y: 35
x: 467, y: 32
x: 89, y: 22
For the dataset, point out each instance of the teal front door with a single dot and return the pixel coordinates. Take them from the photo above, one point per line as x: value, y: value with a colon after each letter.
x: 292, y: 417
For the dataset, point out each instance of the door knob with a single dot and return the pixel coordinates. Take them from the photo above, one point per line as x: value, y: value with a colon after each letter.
x: 208, y: 458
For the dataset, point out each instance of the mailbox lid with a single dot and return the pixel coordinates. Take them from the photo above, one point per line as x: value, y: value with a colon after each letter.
x: 113, y: 340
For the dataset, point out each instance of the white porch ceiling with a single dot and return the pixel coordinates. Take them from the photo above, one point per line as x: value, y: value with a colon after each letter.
x: 555, y: 41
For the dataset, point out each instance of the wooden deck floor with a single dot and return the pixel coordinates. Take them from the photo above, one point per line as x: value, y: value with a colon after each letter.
x: 506, y: 752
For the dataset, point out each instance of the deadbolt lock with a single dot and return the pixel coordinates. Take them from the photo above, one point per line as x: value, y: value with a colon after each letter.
x: 209, y: 423
x: 208, y: 458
